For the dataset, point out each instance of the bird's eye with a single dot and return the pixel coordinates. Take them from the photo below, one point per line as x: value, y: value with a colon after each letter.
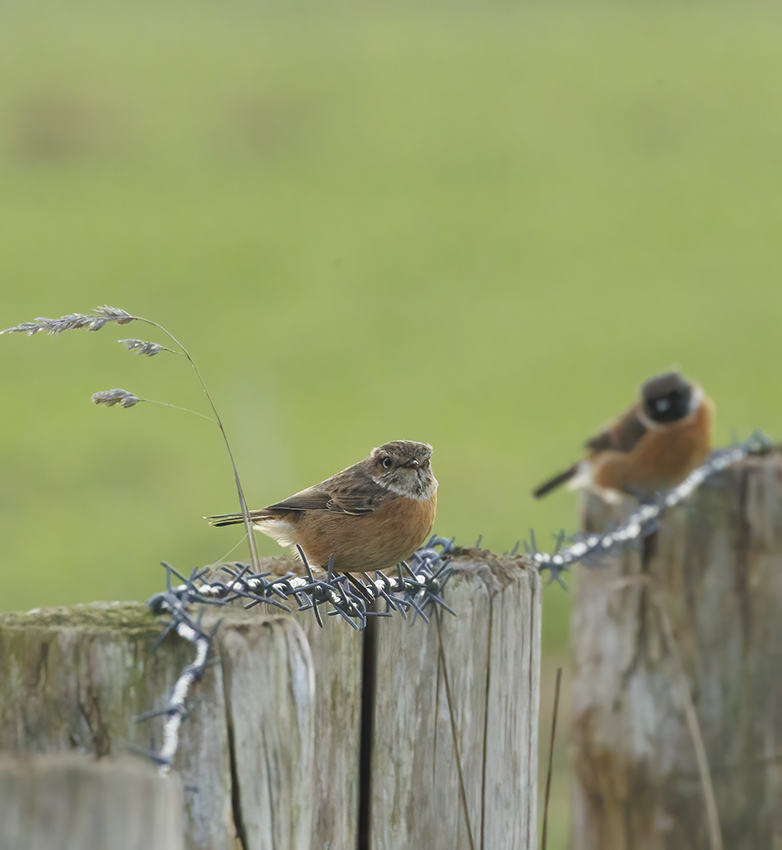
x: 387, y: 462
x: 662, y: 404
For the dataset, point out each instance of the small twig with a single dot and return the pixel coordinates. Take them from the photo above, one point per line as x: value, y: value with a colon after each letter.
x: 551, y: 759
x: 712, y: 813
x: 486, y: 712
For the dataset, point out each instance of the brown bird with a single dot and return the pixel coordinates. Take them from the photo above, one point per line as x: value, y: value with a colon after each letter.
x: 653, y: 446
x: 369, y: 516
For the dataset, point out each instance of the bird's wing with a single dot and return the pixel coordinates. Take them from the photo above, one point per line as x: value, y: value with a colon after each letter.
x: 355, y: 494
x: 622, y: 436
x: 311, y: 499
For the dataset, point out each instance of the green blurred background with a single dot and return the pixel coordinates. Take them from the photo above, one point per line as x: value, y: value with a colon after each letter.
x: 481, y: 225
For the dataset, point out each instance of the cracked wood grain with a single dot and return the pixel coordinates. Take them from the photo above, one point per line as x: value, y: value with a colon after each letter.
x: 717, y: 570
x: 269, y: 755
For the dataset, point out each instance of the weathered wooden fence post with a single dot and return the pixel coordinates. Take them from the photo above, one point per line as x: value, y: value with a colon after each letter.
x: 272, y: 752
x: 76, y: 678
x: 490, y: 655
x: 49, y: 802
x: 715, y: 576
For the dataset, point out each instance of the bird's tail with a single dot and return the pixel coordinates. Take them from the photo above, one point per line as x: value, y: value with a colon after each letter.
x: 555, y: 482
x: 225, y: 519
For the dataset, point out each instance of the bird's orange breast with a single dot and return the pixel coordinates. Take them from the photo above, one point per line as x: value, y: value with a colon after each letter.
x: 378, y: 540
x: 662, y: 458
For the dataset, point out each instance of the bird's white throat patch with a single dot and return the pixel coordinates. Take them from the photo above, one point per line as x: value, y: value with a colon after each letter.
x: 420, y: 493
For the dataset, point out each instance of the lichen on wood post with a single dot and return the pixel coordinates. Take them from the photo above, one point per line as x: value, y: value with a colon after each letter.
x: 715, y: 567
x: 78, y: 677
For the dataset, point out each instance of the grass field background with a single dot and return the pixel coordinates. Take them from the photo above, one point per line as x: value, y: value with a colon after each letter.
x: 481, y: 225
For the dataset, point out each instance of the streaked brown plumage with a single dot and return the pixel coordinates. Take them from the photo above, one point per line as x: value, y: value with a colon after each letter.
x: 369, y: 516
x: 651, y: 447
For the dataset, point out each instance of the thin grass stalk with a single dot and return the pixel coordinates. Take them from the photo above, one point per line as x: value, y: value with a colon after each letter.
x: 551, y: 760
x: 242, y: 500
x: 685, y: 694
x: 455, y: 737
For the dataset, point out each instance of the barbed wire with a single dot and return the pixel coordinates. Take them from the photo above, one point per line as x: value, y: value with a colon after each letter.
x: 176, y: 709
x: 589, y: 549
x: 417, y: 586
